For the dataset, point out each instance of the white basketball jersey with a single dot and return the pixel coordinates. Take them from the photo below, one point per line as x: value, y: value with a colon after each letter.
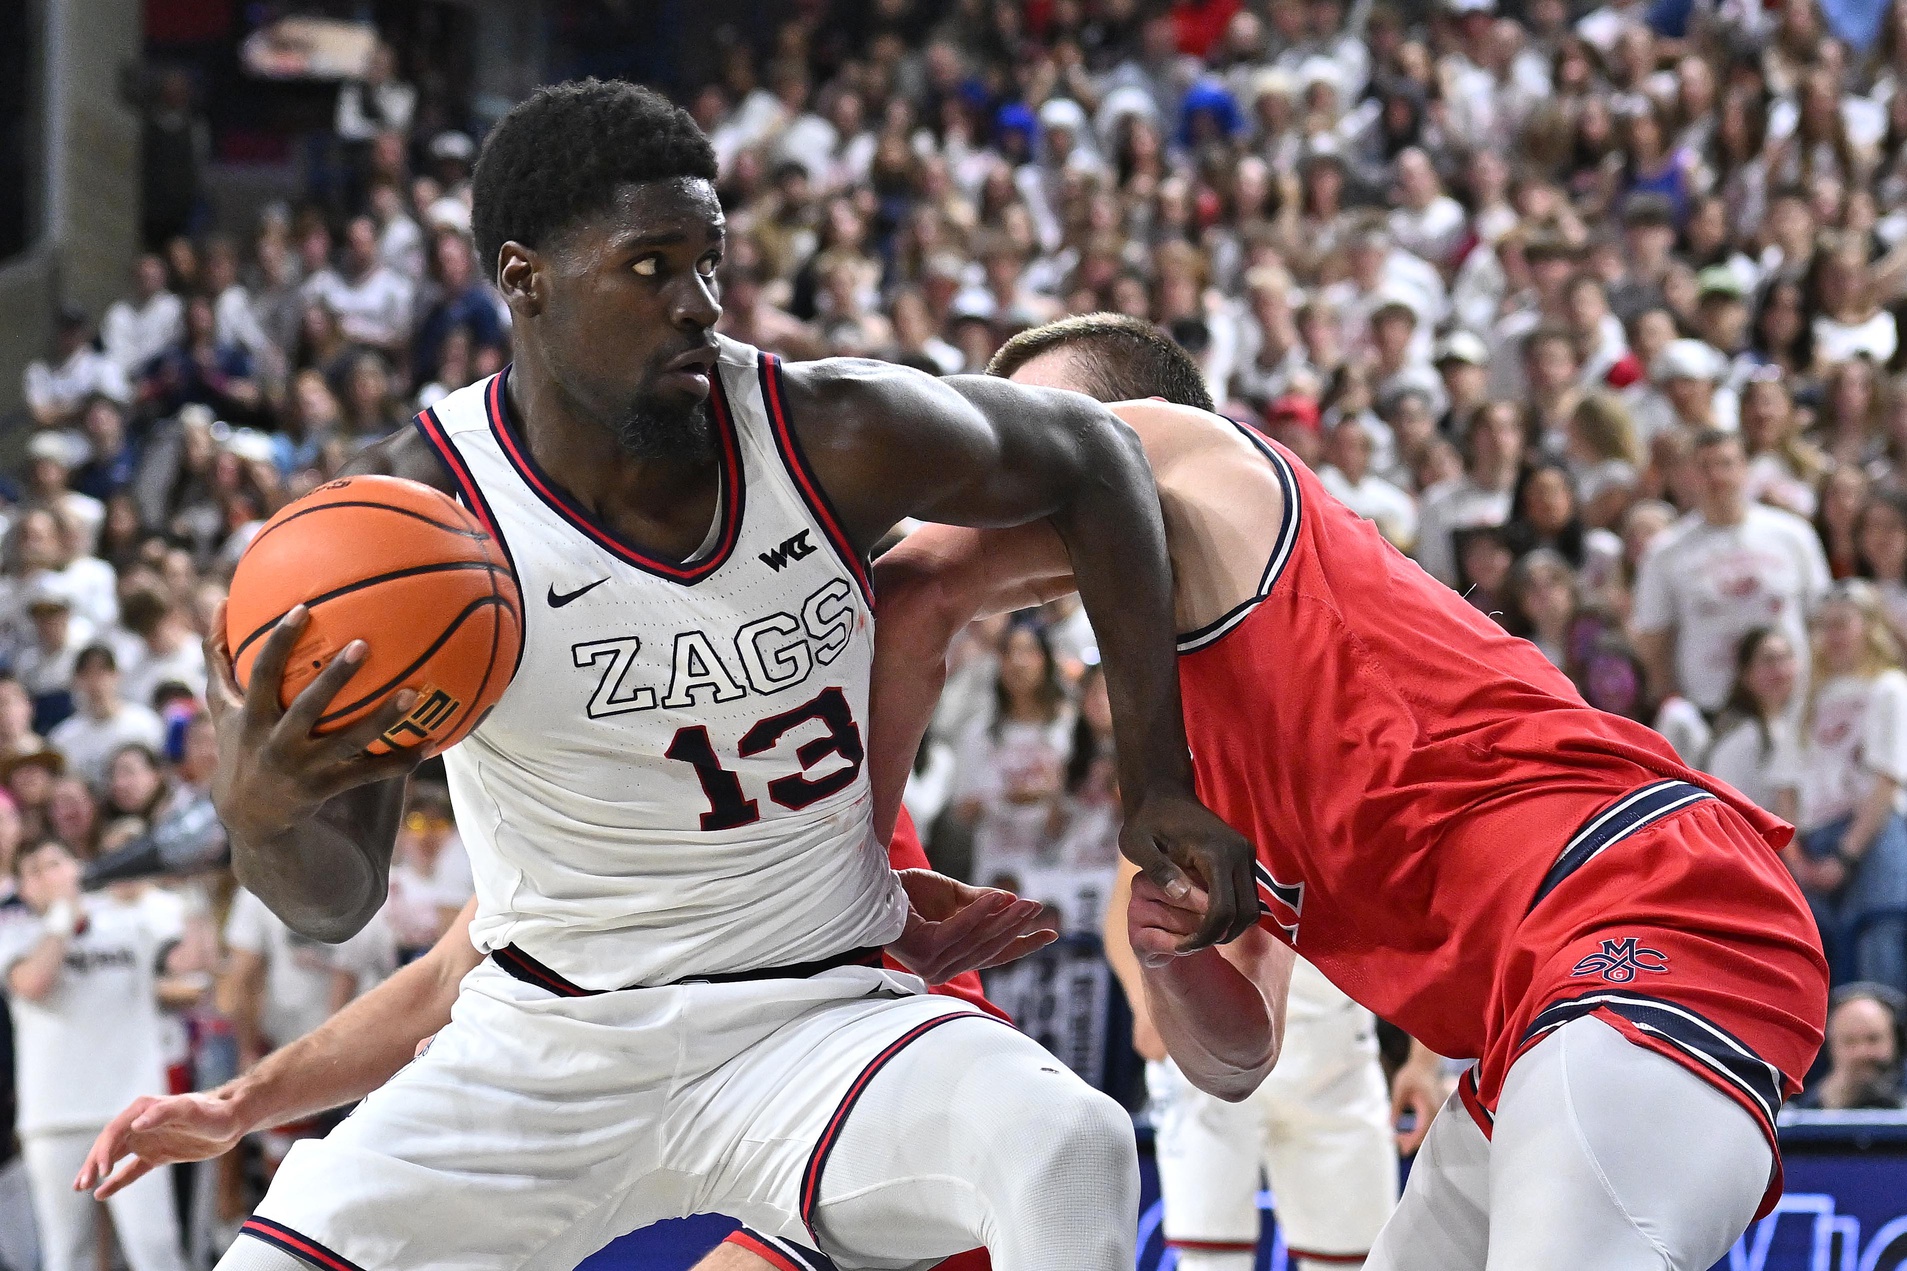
x: 674, y: 783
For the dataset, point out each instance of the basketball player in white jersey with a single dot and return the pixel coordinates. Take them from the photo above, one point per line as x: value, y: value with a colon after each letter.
x: 667, y: 813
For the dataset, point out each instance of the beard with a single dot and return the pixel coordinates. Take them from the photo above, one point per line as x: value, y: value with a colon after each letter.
x: 649, y: 428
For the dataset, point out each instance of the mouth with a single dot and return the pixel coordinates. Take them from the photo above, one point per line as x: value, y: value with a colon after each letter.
x: 690, y: 372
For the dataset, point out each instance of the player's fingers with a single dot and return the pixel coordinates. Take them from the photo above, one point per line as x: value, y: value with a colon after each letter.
x: 1024, y: 945
x: 989, y: 944
x: 1157, y: 866
x: 268, y: 670
x: 222, y: 693
x: 131, y: 1172
x: 111, y: 1144
x: 1245, y: 879
x: 347, y: 743
x: 308, y: 707
x: 1221, y: 912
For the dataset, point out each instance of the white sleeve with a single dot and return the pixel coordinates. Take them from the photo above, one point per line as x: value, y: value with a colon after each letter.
x: 19, y: 931
x: 38, y: 385
x: 245, y: 926
x: 1884, y: 740
x: 1816, y: 577
x: 1655, y: 600
x: 163, y: 914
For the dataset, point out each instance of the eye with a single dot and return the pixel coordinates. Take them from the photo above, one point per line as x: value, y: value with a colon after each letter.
x: 648, y: 266
x: 708, y: 265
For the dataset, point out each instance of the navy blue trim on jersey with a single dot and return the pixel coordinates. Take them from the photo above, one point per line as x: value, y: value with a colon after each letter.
x: 773, y: 395
x: 783, y: 1255
x: 824, y: 1146
x: 1714, y: 1048
x: 1281, y: 549
x: 1617, y: 821
x: 298, y: 1245
x: 496, y: 400
x: 519, y: 965
x: 432, y: 430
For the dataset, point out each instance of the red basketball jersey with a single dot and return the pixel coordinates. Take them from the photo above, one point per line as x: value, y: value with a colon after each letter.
x: 1407, y: 770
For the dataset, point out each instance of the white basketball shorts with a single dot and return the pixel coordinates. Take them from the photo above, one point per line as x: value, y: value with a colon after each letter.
x: 538, y: 1128
x: 1319, y: 1127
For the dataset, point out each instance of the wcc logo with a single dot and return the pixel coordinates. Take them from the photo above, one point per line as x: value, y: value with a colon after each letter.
x: 795, y: 547
x: 1620, y: 960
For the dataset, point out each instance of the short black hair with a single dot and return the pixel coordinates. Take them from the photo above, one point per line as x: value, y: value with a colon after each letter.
x: 1120, y: 359
x: 95, y: 655
x: 561, y: 155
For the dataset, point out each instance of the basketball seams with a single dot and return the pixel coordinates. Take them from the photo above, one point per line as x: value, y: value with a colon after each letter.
x: 461, y: 531
x: 409, y: 571
x: 396, y: 681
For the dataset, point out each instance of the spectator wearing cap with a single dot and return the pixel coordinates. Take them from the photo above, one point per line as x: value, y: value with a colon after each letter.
x: 1688, y: 392
x: 1463, y: 365
x: 1492, y: 454
x: 1865, y: 1039
x: 56, y: 388
x: 1722, y: 571
x: 371, y: 300
x: 102, y: 720
x: 1349, y: 478
x: 144, y: 325
x: 1721, y: 318
x: 200, y: 368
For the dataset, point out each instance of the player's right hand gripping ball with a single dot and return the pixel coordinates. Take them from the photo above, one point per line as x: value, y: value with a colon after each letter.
x: 404, y: 568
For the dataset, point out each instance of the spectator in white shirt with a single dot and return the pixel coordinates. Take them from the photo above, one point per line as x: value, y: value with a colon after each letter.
x: 1756, y: 747
x: 84, y: 977
x: 139, y: 329
x: 400, y: 240
x: 1848, y: 321
x: 1689, y: 392
x: 102, y: 721
x: 170, y: 649
x: 1493, y: 452
x: 1348, y: 478
x: 1852, y: 857
x: 430, y: 871
x: 56, y: 390
x: 1426, y: 221
x: 279, y: 985
x: 372, y: 300
x: 56, y: 635
x: 1723, y: 570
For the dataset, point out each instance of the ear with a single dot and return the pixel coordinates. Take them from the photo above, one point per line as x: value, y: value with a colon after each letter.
x: 520, y: 277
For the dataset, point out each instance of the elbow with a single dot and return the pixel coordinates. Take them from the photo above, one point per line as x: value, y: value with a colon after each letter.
x: 328, y: 921
x: 1234, y: 1085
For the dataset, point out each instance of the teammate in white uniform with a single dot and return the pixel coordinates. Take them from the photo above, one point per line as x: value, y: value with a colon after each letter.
x: 83, y: 975
x: 667, y: 814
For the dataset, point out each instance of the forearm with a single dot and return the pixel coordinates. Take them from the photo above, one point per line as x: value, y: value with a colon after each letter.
x: 324, y: 875
x: 1215, y: 1023
x: 38, y: 973
x: 1115, y: 536
x: 358, y: 1049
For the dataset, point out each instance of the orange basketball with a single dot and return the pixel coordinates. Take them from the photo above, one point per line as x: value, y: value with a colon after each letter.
x: 407, y: 570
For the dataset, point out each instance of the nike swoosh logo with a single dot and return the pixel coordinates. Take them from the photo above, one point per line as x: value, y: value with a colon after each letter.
x: 557, y: 601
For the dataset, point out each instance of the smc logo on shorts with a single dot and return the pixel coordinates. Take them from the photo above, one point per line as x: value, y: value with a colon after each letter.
x: 1620, y: 960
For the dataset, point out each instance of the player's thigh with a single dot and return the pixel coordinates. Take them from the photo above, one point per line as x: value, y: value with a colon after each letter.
x: 1607, y: 1156
x: 975, y: 1135
x: 1332, y: 1157
x: 1208, y: 1153
x: 1442, y: 1222
x: 517, y: 1131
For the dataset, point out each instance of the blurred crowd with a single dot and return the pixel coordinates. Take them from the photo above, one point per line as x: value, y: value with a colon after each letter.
x: 1595, y: 311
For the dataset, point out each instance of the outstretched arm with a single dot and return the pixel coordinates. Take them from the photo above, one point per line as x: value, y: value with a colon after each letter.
x: 889, y: 443
x: 348, y: 1056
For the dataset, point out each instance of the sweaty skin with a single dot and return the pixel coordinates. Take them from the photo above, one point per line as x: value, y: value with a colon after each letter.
x: 618, y: 311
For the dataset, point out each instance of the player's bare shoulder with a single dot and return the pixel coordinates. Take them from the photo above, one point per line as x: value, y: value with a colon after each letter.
x: 402, y: 454
x: 1223, y: 499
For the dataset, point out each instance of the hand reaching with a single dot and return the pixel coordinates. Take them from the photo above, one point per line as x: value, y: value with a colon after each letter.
x: 953, y: 928
x: 154, y: 1132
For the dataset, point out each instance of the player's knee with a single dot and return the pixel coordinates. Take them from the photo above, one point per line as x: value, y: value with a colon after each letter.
x: 1072, y: 1132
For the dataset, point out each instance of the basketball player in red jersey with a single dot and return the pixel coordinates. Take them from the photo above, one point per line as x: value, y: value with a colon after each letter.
x: 359, y: 1049
x: 1447, y: 831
